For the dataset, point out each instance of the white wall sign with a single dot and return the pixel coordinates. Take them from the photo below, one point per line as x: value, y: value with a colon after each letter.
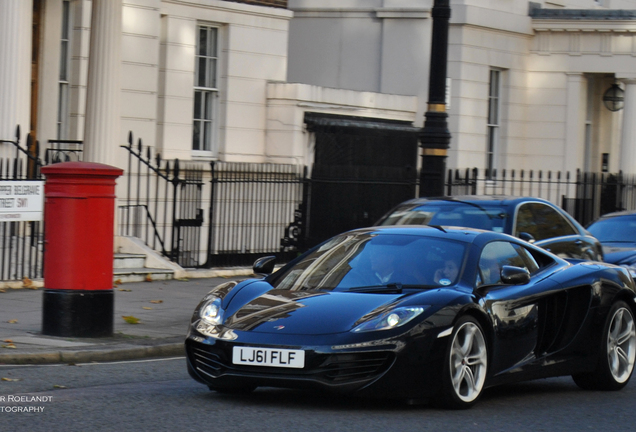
x: 21, y: 200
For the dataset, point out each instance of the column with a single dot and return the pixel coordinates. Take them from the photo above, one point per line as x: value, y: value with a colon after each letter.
x: 628, y: 136
x: 16, y: 18
x: 102, y: 124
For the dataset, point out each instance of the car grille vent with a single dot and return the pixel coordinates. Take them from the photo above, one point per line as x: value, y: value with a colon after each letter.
x: 333, y: 368
x: 353, y: 367
x: 207, y: 362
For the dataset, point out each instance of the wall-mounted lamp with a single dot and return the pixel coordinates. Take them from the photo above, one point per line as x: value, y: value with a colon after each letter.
x: 614, y: 98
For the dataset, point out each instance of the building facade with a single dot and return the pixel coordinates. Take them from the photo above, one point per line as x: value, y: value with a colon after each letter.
x: 338, y: 86
x: 526, y: 78
x: 232, y: 80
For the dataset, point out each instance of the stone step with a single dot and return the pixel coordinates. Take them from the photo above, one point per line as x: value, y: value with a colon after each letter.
x: 129, y: 260
x: 141, y: 274
x: 129, y: 267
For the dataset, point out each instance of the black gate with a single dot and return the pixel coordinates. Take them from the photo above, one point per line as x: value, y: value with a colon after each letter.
x: 188, y: 216
x: 362, y: 168
x: 164, y: 205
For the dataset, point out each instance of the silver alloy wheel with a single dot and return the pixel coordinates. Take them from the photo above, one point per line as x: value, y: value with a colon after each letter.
x: 468, y: 362
x: 621, y: 345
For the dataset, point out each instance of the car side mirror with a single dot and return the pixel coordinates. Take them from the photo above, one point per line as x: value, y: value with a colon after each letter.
x: 525, y: 236
x: 264, y: 266
x: 514, y: 275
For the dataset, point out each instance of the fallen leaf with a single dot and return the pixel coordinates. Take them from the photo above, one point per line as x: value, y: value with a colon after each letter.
x: 27, y: 283
x: 131, y: 319
x: 10, y: 379
x: 8, y: 341
x: 146, y: 307
x: 148, y: 277
x: 3, y: 290
x: 117, y: 282
x: 156, y: 301
x: 124, y: 290
x: 13, y: 321
x: 9, y: 346
x: 59, y: 386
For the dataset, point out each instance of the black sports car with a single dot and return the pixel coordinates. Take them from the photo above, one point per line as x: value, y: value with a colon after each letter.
x: 417, y: 313
x: 532, y: 219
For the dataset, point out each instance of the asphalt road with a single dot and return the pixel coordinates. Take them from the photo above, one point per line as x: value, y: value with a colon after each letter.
x: 157, y: 395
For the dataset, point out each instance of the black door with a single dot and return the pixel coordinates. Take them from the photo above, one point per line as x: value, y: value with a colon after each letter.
x: 362, y: 168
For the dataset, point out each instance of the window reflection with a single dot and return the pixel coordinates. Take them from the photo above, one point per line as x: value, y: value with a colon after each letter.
x: 350, y: 261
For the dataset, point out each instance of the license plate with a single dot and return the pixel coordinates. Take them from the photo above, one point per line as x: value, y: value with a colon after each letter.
x: 268, y: 357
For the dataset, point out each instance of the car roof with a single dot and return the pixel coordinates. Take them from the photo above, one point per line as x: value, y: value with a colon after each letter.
x: 476, y: 199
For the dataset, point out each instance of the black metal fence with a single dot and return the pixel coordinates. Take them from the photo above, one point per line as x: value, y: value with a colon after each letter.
x: 63, y: 151
x: 208, y: 215
x: 21, y: 242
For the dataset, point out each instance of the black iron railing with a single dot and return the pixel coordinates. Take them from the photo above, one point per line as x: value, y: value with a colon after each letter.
x: 63, y: 151
x: 216, y: 214
x: 21, y: 242
x: 150, y: 201
x: 257, y: 209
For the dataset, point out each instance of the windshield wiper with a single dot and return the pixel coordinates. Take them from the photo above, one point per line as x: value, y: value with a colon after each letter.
x: 438, y: 227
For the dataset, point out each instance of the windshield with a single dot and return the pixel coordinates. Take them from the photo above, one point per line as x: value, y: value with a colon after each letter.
x: 376, y: 260
x: 615, y: 229
x: 453, y: 213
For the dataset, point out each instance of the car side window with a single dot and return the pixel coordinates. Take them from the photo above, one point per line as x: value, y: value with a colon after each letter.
x: 542, y: 222
x: 497, y: 254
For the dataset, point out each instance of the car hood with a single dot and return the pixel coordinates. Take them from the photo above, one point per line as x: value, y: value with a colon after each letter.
x: 304, y: 312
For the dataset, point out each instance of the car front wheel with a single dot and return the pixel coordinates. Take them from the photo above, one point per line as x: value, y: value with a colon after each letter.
x: 465, y: 366
x: 618, y: 351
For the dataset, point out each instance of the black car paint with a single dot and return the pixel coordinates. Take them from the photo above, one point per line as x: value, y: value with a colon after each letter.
x: 563, y: 309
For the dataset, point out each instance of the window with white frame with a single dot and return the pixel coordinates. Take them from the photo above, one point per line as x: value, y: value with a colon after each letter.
x: 206, y: 93
x: 494, y: 105
x: 63, y: 81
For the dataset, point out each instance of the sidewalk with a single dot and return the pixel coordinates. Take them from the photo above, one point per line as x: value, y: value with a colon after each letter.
x: 164, y: 309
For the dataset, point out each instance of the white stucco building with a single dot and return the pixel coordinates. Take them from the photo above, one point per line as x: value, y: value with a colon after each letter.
x: 541, y: 66
x: 225, y: 80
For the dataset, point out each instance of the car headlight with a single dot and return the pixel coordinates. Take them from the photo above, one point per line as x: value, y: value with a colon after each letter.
x: 391, y: 319
x: 211, y: 311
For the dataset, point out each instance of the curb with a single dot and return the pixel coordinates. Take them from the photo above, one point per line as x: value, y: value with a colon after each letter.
x: 98, y: 355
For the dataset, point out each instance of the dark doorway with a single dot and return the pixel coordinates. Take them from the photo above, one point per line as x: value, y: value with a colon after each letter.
x: 362, y: 168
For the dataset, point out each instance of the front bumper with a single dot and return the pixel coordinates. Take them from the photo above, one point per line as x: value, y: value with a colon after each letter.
x: 401, y: 367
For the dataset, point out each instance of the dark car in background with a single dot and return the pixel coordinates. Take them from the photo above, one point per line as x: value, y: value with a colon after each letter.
x: 532, y: 219
x: 617, y: 234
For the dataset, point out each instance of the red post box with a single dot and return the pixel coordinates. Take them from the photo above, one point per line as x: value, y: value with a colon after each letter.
x: 79, y: 208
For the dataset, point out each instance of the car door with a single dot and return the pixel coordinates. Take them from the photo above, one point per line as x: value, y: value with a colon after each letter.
x: 515, y: 310
x: 552, y: 231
